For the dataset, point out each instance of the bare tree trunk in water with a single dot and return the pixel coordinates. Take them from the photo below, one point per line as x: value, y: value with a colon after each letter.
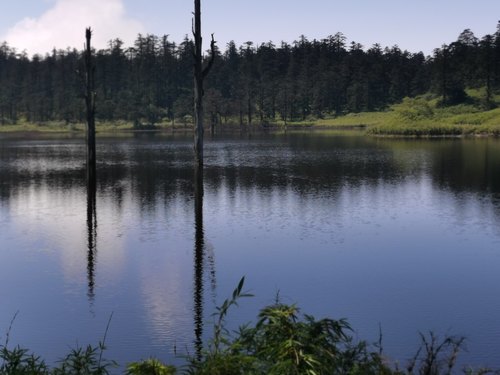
x: 199, y: 76
x: 90, y: 104
x: 91, y: 164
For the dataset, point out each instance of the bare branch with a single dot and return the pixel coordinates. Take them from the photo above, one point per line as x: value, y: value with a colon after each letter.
x: 212, y: 58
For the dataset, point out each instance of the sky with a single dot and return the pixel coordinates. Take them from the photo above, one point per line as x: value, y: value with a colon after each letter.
x: 38, y: 26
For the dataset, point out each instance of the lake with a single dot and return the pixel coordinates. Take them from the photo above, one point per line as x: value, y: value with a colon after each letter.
x: 398, y: 234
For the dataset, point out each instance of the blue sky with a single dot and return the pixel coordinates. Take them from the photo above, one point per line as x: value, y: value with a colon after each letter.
x: 40, y: 25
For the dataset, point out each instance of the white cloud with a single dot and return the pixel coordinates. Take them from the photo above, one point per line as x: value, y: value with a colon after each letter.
x: 63, y: 25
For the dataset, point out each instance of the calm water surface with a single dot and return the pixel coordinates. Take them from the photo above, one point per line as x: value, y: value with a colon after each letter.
x: 404, y: 234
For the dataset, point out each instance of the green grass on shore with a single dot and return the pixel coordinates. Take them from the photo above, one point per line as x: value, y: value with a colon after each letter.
x: 62, y: 127
x: 415, y: 117
x: 422, y: 116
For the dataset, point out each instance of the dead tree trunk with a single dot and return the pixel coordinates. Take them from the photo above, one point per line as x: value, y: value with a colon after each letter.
x: 91, y: 163
x: 90, y: 104
x: 199, y: 75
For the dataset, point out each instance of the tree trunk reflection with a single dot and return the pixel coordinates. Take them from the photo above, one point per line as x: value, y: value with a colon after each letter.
x: 91, y: 231
x: 199, y: 253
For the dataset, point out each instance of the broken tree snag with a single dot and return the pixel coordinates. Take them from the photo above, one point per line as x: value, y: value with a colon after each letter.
x: 90, y: 104
x: 199, y: 75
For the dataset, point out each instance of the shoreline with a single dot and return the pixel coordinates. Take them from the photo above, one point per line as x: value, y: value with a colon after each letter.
x: 391, y: 123
x: 410, y: 130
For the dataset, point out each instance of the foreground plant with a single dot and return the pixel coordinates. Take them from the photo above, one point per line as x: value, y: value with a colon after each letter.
x: 79, y: 361
x: 86, y: 361
x: 285, y: 342
x: 150, y: 366
x: 19, y: 361
x: 282, y: 342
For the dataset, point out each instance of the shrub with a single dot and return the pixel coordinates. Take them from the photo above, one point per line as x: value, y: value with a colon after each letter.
x: 414, y: 109
x: 150, y: 366
x: 285, y: 342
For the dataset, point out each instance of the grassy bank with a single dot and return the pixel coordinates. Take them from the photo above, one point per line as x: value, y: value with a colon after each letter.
x: 62, y: 127
x: 416, y: 117
x: 423, y: 116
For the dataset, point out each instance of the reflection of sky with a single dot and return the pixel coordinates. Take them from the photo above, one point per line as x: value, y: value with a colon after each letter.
x: 57, y: 218
x: 379, y: 235
x: 406, y: 255
x: 142, y: 276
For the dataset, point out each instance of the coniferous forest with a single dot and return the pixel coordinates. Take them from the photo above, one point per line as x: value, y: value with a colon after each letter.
x: 151, y: 81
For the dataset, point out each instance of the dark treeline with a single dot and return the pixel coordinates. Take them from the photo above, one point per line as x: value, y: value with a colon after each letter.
x: 152, y: 81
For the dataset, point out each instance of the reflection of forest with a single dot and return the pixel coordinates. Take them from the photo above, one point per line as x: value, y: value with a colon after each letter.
x: 316, y: 177
x: 154, y: 172
x: 461, y: 165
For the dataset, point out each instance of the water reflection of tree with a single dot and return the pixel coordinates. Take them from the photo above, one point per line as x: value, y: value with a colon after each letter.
x: 199, y: 251
x: 91, y: 234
